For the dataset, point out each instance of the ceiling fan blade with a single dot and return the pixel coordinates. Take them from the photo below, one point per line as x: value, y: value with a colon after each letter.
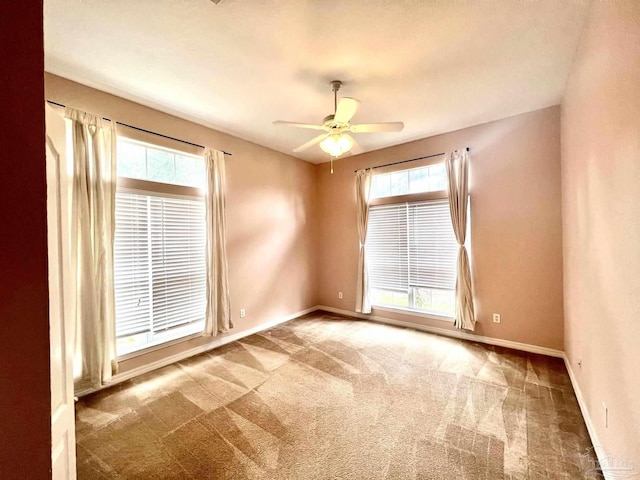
x: 299, y: 125
x: 347, y: 108
x: 377, y: 127
x: 311, y: 142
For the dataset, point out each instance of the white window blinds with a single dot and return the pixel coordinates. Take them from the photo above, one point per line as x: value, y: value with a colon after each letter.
x: 411, y: 245
x: 159, y: 256
x: 131, y: 264
x: 387, y: 253
x: 433, y: 249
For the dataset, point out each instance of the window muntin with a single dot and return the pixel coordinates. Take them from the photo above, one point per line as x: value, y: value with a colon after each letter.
x: 159, y: 249
x: 432, y: 178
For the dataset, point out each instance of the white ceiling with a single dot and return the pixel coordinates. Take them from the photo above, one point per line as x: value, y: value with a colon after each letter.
x: 436, y: 65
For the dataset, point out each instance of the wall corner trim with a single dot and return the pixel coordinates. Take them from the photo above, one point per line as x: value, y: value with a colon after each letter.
x: 223, y: 340
x: 451, y: 333
x: 587, y: 419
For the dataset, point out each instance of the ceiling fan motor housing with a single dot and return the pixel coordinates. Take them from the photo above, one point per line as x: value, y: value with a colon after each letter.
x: 330, y: 122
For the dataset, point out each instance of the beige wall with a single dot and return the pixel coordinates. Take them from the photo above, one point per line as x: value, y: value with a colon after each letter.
x: 270, y: 213
x: 601, y: 219
x: 516, y: 229
x: 292, y: 238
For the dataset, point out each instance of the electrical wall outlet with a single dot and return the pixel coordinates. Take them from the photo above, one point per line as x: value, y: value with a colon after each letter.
x: 243, y: 313
x: 340, y: 295
x: 496, y: 318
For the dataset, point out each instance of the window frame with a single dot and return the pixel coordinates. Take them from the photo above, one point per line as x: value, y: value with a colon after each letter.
x: 389, y: 170
x: 133, y: 185
x: 163, y: 190
x: 407, y: 199
x: 410, y: 198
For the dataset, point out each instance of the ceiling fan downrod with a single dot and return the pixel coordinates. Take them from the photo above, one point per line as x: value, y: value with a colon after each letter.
x: 335, y: 86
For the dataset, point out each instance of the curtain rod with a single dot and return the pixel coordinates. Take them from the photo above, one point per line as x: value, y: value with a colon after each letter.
x: 142, y: 129
x: 410, y: 160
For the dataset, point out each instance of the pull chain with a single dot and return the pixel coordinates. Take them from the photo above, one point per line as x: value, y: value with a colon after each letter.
x: 332, y: 164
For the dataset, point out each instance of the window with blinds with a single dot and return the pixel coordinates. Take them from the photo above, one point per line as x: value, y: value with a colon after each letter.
x: 411, y: 256
x: 159, y: 258
x: 387, y: 248
x: 433, y: 248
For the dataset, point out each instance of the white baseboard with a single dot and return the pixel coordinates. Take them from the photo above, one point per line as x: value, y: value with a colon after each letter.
x: 463, y: 334
x: 587, y: 419
x: 217, y: 342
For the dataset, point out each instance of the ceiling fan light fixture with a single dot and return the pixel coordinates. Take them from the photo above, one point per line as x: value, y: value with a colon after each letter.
x: 336, y: 144
x: 336, y: 141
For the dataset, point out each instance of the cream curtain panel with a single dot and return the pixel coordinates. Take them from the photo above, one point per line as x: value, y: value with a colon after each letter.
x: 363, y: 188
x: 457, y: 164
x: 92, y: 224
x: 218, y: 313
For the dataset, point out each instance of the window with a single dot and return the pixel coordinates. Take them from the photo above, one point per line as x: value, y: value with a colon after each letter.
x: 432, y: 178
x: 147, y: 162
x: 411, y: 247
x: 159, y: 250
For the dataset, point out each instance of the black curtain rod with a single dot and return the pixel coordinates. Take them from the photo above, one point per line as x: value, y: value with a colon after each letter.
x: 143, y: 130
x: 406, y: 161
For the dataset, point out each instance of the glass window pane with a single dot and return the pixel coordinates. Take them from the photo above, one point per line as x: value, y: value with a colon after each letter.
x: 443, y: 301
x: 401, y: 299
x: 431, y: 178
x: 381, y: 297
x: 160, y: 166
x: 437, y: 177
x: 399, y: 183
x: 390, y: 298
x: 422, y: 299
x: 381, y: 186
x: 131, y: 160
x: 189, y: 171
x: 436, y: 301
x: 418, y: 180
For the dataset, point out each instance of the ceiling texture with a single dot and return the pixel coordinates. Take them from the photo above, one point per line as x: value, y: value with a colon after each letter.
x: 436, y: 65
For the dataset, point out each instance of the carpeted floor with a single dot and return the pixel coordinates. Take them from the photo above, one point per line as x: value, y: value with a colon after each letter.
x: 325, y: 397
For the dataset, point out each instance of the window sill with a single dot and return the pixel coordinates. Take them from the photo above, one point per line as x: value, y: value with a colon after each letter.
x: 158, y: 346
x: 415, y: 313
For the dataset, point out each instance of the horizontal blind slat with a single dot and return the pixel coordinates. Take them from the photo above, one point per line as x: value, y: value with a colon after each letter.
x: 411, y: 245
x: 159, y: 262
x: 386, y: 247
x: 433, y: 249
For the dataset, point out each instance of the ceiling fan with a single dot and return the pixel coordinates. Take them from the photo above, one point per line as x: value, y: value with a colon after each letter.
x: 336, y: 140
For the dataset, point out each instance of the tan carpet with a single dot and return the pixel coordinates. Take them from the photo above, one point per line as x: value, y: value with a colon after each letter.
x: 324, y: 397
